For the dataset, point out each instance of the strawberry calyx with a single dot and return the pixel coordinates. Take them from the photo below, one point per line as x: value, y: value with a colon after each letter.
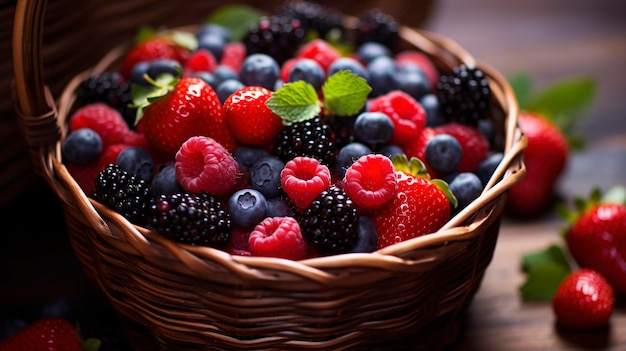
x: 183, y: 39
x: 143, y: 96
x: 615, y: 195
x: 417, y: 168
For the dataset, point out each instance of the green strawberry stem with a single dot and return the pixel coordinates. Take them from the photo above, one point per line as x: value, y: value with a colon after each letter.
x: 143, y: 96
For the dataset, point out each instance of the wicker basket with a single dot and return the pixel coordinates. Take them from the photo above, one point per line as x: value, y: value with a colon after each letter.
x: 411, y: 295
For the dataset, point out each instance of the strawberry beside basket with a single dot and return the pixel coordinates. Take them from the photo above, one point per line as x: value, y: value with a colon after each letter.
x: 171, y: 296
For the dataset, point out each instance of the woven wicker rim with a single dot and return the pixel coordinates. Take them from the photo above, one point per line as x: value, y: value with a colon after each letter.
x: 33, y: 99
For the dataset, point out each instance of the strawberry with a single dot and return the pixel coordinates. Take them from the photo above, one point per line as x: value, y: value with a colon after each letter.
x: 545, y: 158
x: 250, y: 120
x: 45, y: 334
x: 177, y: 109
x: 420, y: 206
x: 596, y: 234
x: 169, y: 45
x: 583, y: 300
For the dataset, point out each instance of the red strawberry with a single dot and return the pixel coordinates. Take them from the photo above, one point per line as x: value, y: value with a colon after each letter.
x: 320, y: 51
x: 250, y: 120
x: 420, y: 205
x: 45, y: 334
x: 596, y: 237
x: 158, y: 46
x: 189, y: 107
x: 545, y: 158
x: 584, y: 300
x: 408, y: 115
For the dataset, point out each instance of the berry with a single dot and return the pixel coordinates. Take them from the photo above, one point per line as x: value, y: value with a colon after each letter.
x: 584, y: 300
x: 250, y: 120
x: 443, y: 153
x: 466, y: 187
x: 390, y: 150
x: 422, y: 60
x: 307, y: 70
x: 377, y: 26
x: 474, y: 144
x: 165, y: 182
x: 309, y: 138
x: 330, y: 222
x: 367, y: 240
x: 434, y: 116
x: 348, y: 64
x: 158, y: 46
x: 45, y: 333
x: 228, y: 87
x: 238, y: 243
x: 302, y: 179
x: 201, y: 60
x: 190, y: 107
x: 196, y: 219
x: 313, y: 17
x: 413, y: 80
x: 320, y: 51
x: 407, y: 115
x: 246, y: 156
x: 204, y: 165
x: 216, y: 30
x: 279, y: 237
x: 233, y: 55
x: 371, y: 181
x: 279, y: 207
x: 371, y: 50
x: 485, y: 169
x: 373, y: 128
x: 123, y: 192
x: 247, y: 207
x: 111, y: 89
x: 384, y: 76
x: 222, y: 73
x: 348, y: 154
x: 212, y: 43
x: 136, y: 160
x: 265, y: 176
x: 275, y: 36
x: 82, y: 146
x: 102, y: 119
x: 596, y: 237
x: 464, y: 95
x: 160, y: 66
x: 259, y: 70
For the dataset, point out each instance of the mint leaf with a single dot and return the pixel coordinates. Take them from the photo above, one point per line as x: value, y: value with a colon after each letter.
x: 295, y: 102
x: 236, y: 18
x: 345, y: 93
x: 545, y: 270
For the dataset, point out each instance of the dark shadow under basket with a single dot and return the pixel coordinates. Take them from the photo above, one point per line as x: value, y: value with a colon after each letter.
x: 411, y: 295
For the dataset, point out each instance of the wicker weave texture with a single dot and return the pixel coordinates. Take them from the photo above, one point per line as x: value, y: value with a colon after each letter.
x: 410, y: 295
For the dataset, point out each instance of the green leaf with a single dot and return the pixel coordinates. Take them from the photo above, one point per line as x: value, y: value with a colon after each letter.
x: 144, y: 33
x: 521, y: 83
x: 186, y: 40
x: 144, y: 95
x: 295, y: 102
x: 345, y: 93
x: 545, y: 270
x: 236, y: 18
x: 616, y: 195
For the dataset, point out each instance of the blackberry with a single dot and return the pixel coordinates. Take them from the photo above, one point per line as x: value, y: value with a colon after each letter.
x: 343, y: 129
x: 276, y: 36
x: 125, y: 193
x: 310, y: 138
x: 313, y: 16
x: 464, y: 95
x: 111, y: 89
x: 330, y: 223
x: 196, y: 219
x: 377, y: 26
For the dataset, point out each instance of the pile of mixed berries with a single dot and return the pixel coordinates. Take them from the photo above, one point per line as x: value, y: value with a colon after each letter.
x: 305, y: 137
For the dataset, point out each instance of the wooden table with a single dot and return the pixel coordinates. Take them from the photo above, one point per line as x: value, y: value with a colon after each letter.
x: 551, y: 39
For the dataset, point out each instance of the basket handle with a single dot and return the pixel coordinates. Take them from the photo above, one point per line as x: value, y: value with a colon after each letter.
x: 34, y: 104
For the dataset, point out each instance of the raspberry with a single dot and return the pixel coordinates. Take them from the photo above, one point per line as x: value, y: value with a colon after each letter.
x: 104, y: 120
x: 302, y: 179
x: 201, y: 60
x: 371, y: 181
x: 406, y: 113
x: 203, y: 165
x: 84, y: 175
x: 238, y: 244
x: 474, y: 144
x: 278, y: 237
x: 233, y: 55
x: 320, y: 51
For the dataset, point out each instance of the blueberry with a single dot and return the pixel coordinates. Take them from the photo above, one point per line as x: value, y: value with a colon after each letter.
x: 443, y: 153
x: 246, y: 156
x: 434, y: 116
x: 247, y: 207
x: 259, y: 69
x: 390, y: 150
x: 213, y: 43
x: 138, y: 72
x: 222, y: 73
x: 136, y: 160
x: 488, y: 128
x: 82, y: 146
x: 349, y: 154
x: 413, y: 80
x: 371, y: 50
x: 279, y: 207
x: 309, y: 71
x: 383, y: 75
x: 208, y: 77
x: 373, y: 128
x: 367, y: 236
x: 348, y: 64
x: 214, y: 29
x: 466, y: 187
x: 486, y: 168
x: 161, y: 66
x: 227, y: 88
x: 165, y: 182
x: 265, y: 176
